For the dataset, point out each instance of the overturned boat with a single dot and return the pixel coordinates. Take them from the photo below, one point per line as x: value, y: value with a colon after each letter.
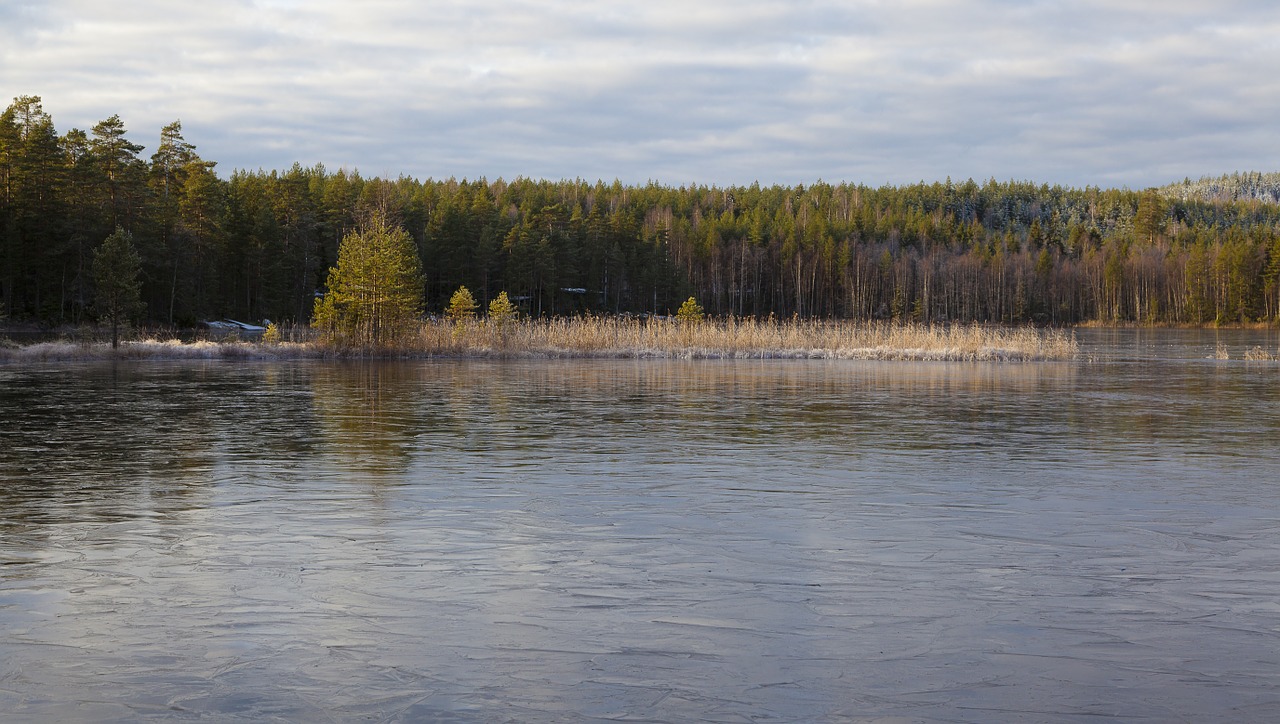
x: 230, y: 327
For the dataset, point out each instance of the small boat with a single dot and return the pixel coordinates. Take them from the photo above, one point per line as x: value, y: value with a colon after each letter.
x: 231, y: 326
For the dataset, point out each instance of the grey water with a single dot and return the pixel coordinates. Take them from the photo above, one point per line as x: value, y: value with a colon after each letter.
x: 643, y: 540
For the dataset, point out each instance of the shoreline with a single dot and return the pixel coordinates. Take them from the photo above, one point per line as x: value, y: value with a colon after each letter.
x: 603, y: 338
x: 1176, y: 325
x: 82, y: 332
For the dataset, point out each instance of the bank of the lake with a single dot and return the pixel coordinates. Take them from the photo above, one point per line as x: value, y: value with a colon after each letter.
x: 612, y: 337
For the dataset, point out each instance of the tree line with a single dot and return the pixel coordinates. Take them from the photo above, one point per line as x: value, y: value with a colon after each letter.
x: 259, y: 244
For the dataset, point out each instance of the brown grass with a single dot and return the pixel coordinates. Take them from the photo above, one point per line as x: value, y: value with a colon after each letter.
x: 743, y: 338
x: 612, y: 337
x: 1258, y: 354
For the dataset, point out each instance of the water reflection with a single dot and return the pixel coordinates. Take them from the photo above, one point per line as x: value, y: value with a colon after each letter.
x: 369, y: 414
x: 655, y: 540
x: 83, y: 444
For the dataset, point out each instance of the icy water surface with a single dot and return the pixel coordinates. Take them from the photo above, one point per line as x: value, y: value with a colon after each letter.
x: 646, y: 540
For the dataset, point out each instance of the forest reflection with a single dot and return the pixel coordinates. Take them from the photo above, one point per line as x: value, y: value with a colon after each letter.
x: 369, y: 414
x: 112, y: 442
x: 377, y: 417
x: 107, y: 442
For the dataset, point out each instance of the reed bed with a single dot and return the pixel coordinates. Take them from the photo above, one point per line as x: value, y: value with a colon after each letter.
x: 743, y: 339
x: 614, y: 337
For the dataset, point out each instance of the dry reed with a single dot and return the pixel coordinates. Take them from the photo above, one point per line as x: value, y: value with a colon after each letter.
x: 605, y: 337
x: 743, y: 338
x: 1258, y: 354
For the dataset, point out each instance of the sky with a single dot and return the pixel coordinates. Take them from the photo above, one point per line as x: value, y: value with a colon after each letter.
x: 1113, y: 93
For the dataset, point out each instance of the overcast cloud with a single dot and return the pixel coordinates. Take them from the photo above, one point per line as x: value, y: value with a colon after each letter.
x: 1112, y: 93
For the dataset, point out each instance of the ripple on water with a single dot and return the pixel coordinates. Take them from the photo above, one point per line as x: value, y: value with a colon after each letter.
x: 657, y: 540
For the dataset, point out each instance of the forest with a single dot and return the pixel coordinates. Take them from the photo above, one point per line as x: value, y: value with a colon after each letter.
x: 256, y: 245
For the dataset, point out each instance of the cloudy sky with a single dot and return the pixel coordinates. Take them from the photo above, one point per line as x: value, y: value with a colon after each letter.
x: 1106, y: 92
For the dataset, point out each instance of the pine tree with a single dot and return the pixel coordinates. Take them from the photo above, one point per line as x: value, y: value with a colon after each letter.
x: 122, y: 172
x: 462, y: 306
x: 501, y: 311
x: 374, y: 294
x: 690, y: 312
x: 116, y: 268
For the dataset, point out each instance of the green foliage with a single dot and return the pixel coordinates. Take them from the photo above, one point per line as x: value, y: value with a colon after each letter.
x: 117, y: 289
x: 501, y: 311
x: 374, y: 293
x: 1149, y: 219
x: 1044, y: 264
x: 690, y: 312
x: 462, y: 306
x: 259, y: 244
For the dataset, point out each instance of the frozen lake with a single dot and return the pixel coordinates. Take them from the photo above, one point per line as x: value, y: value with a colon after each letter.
x: 646, y: 540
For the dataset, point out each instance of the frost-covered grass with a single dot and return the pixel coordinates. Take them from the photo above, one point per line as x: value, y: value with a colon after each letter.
x: 154, y: 349
x: 744, y: 338
x: 603, y: 337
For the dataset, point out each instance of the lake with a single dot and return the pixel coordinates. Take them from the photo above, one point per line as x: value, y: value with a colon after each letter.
x: 646, y: 540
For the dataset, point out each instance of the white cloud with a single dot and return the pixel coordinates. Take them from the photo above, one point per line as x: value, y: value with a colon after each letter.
x: 716, y: 92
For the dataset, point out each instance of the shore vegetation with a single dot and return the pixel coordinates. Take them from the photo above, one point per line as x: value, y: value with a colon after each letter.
x: 612, y: 337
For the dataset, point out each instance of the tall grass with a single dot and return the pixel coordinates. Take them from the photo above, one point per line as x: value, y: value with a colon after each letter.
x: 627, y: 338
x: 743, y: 338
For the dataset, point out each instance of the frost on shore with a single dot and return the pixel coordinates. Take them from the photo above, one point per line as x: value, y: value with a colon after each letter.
x: 602, y: 337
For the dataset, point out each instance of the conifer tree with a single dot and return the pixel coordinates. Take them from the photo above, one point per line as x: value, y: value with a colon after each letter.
x: 501, y: 311
x: 374, y: 293
x: 689, y: 312
x: 462, y: 306
x: 122, y: 172
x: 116, y: 268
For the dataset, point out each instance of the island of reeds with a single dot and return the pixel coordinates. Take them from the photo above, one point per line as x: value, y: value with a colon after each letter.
x: 93, y: 232
x: 609, y: 337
